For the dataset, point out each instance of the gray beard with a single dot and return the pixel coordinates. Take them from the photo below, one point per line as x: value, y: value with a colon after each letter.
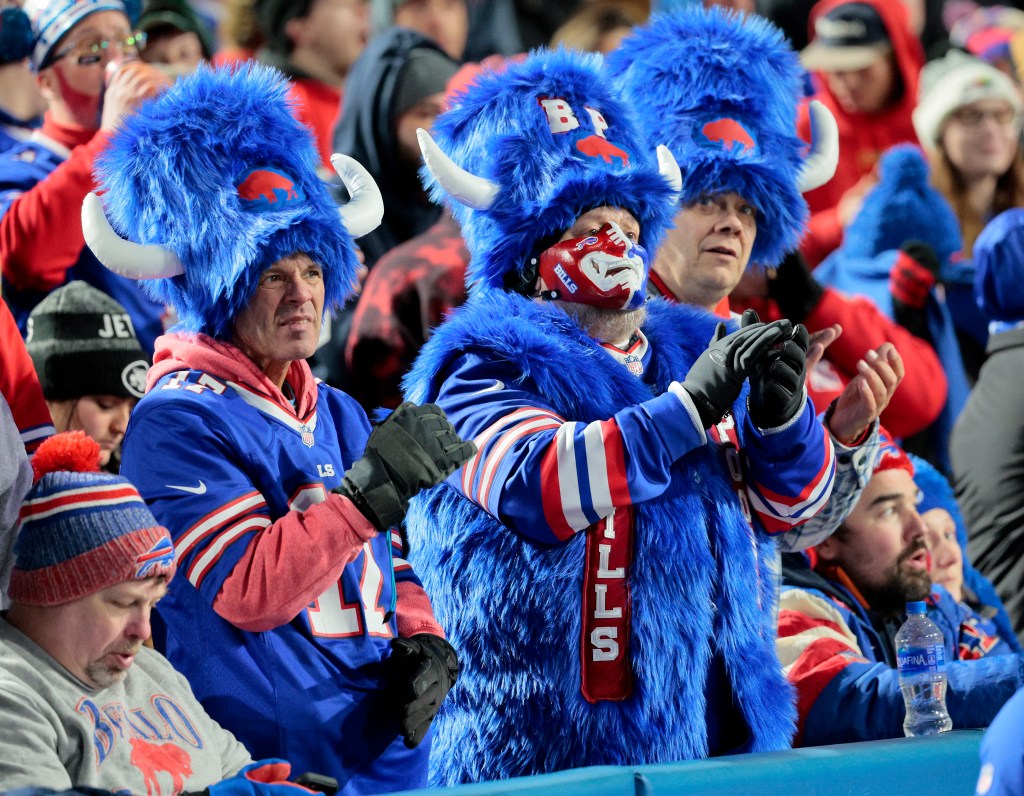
x: 102, y: 676
x: 607, y: 326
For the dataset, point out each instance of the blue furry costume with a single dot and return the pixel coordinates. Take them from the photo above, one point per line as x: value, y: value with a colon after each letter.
x: 511, y: 590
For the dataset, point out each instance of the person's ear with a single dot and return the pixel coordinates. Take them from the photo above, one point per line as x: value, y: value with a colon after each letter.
x: 828, y: 550
x: 48, y: 86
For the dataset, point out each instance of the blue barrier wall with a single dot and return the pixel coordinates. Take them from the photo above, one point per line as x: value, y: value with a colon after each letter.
x: 942, y: 765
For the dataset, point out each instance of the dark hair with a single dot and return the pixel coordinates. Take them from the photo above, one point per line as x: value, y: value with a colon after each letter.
x: 950, y: 183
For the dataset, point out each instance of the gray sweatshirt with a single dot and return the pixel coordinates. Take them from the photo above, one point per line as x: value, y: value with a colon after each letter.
x: 146, y: 735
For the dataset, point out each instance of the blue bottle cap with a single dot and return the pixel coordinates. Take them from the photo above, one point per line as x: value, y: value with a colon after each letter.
x: 916, y: 607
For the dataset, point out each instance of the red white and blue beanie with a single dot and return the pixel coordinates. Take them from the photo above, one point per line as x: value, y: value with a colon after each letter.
x: 82, y: 530
x: 51, y: 19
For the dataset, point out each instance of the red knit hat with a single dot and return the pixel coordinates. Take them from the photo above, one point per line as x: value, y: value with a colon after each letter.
x: 890, y: 455
x: 81, y: 530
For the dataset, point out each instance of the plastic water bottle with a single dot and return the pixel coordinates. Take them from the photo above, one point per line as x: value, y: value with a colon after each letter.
x: 921, y: 654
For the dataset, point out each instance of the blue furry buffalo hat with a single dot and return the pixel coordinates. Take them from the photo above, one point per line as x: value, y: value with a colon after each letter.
x: 529, y: 149
x: 721, y: 90
x: 211, y: 183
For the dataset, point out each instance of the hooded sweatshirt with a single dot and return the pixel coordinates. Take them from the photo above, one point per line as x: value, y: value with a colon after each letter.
x: 366, y: 132
x: 863, y: 137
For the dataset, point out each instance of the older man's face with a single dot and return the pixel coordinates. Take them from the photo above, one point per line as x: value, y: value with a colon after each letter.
x: 282, y: 322
x: 97, y: 637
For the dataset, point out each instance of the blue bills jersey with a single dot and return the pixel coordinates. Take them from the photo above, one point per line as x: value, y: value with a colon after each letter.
x: 219, y: 463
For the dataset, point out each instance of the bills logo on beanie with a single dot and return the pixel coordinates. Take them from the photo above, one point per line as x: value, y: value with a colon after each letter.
x: 82, y: 531
x: 890, y: 455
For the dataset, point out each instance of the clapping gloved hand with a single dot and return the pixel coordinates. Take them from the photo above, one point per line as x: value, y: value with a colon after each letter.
x: 268, y: 777
x: 421, y: 670
x: 777, y: 387
x: 415, y: 447
x: 715, y: 380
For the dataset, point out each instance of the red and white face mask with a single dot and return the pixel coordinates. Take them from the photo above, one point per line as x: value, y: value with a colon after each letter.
x: 605, y: 270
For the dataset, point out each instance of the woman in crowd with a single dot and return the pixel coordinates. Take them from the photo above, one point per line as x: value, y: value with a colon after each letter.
x: 969, y: 119
x: 90, y: 364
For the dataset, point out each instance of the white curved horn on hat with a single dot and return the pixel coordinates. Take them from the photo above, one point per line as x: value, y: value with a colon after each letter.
x: 365, y: 210
x: 820, y: 163
x: 669, y: 168
x: 465, y: 188
x: 132, y: 260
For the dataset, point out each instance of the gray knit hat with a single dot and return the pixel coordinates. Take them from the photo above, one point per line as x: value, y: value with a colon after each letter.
x: 82, y: 343
x: 950, y: 83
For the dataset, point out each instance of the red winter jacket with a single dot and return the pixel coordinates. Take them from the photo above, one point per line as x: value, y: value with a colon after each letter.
x: 863, y: 137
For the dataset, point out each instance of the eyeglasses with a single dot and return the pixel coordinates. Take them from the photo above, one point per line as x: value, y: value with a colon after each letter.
x: 88, y: 53
x: 972, y: 117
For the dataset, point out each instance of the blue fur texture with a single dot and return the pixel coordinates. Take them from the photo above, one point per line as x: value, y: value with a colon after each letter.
x: 902, y: 206
x: 499, y: 131
x: 688, y: 68
x: 512, y: 607
x: 170, y: 175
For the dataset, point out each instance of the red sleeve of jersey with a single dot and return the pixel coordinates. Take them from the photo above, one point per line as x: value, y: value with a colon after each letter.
x: 20, y: 386
x: 286, y: 565
x: 40, y: 234
x: 919, y: 399
x: 414, y: 613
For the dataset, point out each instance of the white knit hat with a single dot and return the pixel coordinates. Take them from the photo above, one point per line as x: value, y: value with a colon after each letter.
x: 950, y: 83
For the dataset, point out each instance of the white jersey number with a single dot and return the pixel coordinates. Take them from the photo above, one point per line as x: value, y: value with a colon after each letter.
x: 329, y: 614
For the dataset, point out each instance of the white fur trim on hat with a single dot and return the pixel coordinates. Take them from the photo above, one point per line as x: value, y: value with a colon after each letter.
x: 51, y: 19
x: 953, y: 82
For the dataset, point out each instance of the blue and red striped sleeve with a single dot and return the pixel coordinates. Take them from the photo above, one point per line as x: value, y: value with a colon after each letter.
x: 582, y: 471
x: 226, y: 543
x: 790, y: 470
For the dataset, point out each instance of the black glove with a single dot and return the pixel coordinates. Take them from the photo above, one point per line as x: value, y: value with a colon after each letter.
x: 793, y: 287
x: 716, y: 378
x: 777, y: 388
x: 414, y: 448
x: 422, y: 670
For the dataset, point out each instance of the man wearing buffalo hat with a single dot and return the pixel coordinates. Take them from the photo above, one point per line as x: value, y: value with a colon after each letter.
x: 722, y: 92
x: 594, y: 562
x: 296, y: 618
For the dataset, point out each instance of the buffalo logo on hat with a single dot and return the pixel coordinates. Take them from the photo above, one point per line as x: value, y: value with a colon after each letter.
x: 726, y: 133
x: 268, y: 189
x: 158, y: 560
